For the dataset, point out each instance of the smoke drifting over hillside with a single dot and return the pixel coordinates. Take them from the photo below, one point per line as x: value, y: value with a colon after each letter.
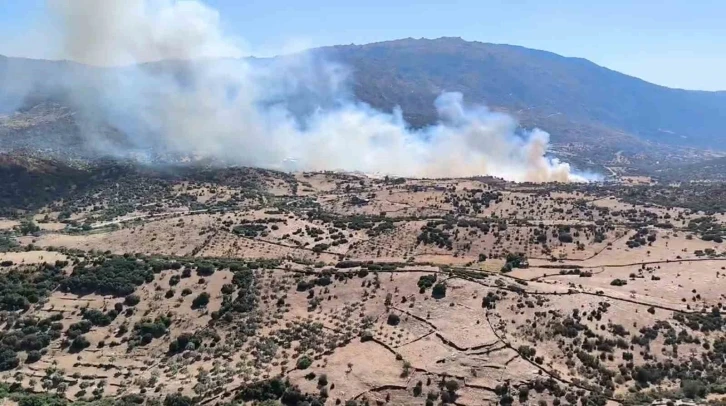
x: 292, y: 112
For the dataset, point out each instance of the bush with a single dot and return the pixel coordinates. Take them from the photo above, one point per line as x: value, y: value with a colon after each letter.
x: 323, y: 380
x: 132, y: 300
x: 176, y: 399
x: 147, y: 329
x: 228, y: 289
x: 304, y: 362
x: 182, y: 342
x: 452, y: 385
x: 205, y: 269
x: 33, y: 356
x: 439, y: 290
x: 523, y: 393
x: 518, y: 260
x: 394, y: 319
x: 318, y: 248
x: 618, y: 282
x: 97, y: 317
x: 366, y: 336
x: 8, y: 359
x: 426, y: 281
x: 527, y: 351
x: 200, y: 301
x: 77, y: 329
x: 79, y: 344
x: 693, y: 389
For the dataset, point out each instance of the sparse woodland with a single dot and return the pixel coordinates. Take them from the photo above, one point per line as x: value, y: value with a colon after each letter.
x: 242, y: 286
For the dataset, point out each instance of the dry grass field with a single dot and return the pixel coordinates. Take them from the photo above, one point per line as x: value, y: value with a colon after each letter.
x: 342, y: 289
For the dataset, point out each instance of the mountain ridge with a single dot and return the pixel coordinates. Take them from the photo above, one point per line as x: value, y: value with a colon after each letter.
x: 513, y: 46
x: 583, y: 105
x: 524, y: 78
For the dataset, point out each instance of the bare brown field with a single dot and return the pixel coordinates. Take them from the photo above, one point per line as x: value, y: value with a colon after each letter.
x: 328, y: 288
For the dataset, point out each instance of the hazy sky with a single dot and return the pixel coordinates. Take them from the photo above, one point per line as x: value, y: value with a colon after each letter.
x: 677, y: 43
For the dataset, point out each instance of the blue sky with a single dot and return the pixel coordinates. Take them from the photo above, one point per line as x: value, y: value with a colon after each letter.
x: 676, y: 43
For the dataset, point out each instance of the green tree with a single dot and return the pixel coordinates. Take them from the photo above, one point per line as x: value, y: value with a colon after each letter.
x: 200, y: 301
x: 439, y: 290
x: 304, y: 362
x: 176, y: 399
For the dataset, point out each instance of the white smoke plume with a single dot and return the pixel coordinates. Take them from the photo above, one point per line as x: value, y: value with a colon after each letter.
x: 221, y: 106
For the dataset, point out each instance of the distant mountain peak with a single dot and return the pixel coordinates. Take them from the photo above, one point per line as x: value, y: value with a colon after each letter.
x: 573, y: 99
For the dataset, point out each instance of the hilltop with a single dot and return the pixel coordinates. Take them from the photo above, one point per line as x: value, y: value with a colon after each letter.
x: 596, y: 117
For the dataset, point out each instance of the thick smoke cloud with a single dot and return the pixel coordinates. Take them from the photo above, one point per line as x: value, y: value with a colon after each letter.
x: 289, y: 113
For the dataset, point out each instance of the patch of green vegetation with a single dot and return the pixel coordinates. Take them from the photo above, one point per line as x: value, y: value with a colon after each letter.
x: 250, y: 230
x: 28, y: 334
x: 426, y: 281
x: 276, y: 389
x: 19, y: 289
x: 117, y: 276
x: 432, y: 235
x: 147, y: 330
x: 514, y: 260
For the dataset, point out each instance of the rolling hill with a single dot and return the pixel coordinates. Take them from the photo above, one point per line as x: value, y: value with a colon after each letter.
x: 590, y: 111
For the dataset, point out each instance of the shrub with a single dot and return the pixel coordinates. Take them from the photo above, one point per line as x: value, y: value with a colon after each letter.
x: 77, y: 329
x: 323, y: 380
x: 8, y: 359
x: 228, y: 289
x: 33, y: 356
x: 439, y: 290
x: 426, y: 281
x: 182, y: 342
x: 205, y: 269
x: 304, y: 362
x: 200, y: 301
x: 527, y: 351
x: 394, y: 319
x: 147, y: 329
x: 452, y: 385
x: 177, y: 399
x: 132, y: 300
x: 79, y: 344
x: 97, y: 317
x: 693, y: 389
x: 619, y: 282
